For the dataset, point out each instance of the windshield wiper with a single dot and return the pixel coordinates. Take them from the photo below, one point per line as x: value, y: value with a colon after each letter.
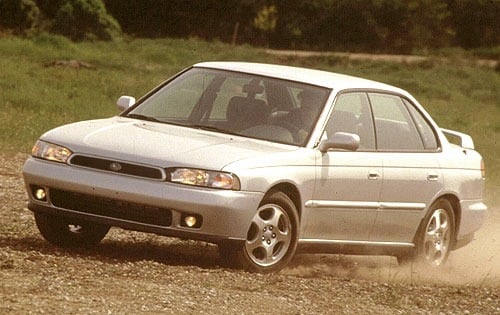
x: 211, y: 128
x: 143, y: 117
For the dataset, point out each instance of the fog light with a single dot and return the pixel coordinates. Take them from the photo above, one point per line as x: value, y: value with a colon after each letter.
x: 190, y: 221
x: 40, y: 194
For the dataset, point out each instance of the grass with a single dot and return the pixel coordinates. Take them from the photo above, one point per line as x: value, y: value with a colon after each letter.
x: 35, y: 98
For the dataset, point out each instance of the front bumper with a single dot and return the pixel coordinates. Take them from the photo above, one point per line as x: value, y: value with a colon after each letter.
x: 226, y: 215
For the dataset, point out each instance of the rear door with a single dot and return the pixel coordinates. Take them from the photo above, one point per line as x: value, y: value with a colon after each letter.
x: 409, y: 151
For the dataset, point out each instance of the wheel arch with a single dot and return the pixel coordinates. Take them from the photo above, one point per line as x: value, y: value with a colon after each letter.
x: 291, y: 191
x: 457, y: 213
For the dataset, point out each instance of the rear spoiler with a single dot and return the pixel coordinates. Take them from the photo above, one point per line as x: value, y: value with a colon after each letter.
x: 463, y: 140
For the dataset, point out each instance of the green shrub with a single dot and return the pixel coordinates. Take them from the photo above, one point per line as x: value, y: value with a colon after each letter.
x: 55, y: 41
x: 85, y: 20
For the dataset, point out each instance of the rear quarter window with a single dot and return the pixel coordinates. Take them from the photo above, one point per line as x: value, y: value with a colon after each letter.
x: 426, y: 131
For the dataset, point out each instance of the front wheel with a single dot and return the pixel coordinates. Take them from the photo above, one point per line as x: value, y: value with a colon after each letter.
x: 271, y: 238
x: 66, y: 232
x: 434, y: 239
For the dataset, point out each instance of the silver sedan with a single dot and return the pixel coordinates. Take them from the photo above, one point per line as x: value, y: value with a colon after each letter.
x: 264, y: 161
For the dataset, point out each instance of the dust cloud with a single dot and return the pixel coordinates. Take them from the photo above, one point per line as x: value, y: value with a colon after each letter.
x: 476, y: 264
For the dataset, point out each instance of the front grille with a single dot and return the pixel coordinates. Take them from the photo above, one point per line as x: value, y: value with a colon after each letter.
x: 118, y: 167
x: 111, y: 208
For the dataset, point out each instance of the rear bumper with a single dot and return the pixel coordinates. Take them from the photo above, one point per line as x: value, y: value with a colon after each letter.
x: 226, y: 215
x: 473, y: 216
x: 463, y: 241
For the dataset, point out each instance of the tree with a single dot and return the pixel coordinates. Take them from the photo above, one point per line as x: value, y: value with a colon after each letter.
x: 85, y: 19
x: 427, y: 22
x: 19, y: 15
x: 476, y: 22
x: 265, y: 21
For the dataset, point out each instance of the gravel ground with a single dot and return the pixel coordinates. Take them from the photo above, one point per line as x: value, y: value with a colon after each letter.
x: 131, y: 273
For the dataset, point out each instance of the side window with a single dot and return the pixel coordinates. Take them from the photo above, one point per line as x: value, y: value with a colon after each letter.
x: 426, y: 131
x: 393, y: 124
x: 352, y: 114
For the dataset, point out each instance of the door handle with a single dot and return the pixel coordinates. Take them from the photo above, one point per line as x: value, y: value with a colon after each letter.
x: 373, y: 175
x: 432, y: 177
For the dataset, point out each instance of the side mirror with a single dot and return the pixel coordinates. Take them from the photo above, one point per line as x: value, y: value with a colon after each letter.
x: 340, y: 140
x: 125, y: 102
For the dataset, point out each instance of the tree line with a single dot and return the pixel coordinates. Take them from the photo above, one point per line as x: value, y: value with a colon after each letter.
x: 347, y: 25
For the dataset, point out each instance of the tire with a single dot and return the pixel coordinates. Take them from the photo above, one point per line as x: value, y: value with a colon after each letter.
x: 434, y: 236
x: 271, y: 238
x: 69, y: 233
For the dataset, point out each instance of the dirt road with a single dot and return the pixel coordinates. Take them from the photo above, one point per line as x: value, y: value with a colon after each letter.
x: 138, y: 273
x: 407, y: 59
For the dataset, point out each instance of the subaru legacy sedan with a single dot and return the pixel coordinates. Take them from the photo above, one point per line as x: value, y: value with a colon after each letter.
x: 264, y: 161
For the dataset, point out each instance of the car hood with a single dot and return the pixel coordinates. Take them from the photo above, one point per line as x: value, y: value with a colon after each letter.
x: 159, y: 144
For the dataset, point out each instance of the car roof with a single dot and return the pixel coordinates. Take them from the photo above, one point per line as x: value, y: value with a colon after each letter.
x: 310, y: 76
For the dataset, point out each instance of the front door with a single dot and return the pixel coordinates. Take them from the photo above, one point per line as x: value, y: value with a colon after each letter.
x: 345, y: 200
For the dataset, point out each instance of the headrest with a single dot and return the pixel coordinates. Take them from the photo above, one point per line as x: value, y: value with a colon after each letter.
x: 253, y: 88
x: 311, y: 95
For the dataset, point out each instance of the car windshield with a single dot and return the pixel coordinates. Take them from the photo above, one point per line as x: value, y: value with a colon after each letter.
x: 236, y: 103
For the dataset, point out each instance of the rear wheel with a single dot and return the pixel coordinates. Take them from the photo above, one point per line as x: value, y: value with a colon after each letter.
x: 271, y: 238
x: 66, y: 232
x: 434, y: 239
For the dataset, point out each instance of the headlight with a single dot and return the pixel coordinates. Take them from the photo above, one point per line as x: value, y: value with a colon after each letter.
x: 203, y: 178
x: 49, y: 151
